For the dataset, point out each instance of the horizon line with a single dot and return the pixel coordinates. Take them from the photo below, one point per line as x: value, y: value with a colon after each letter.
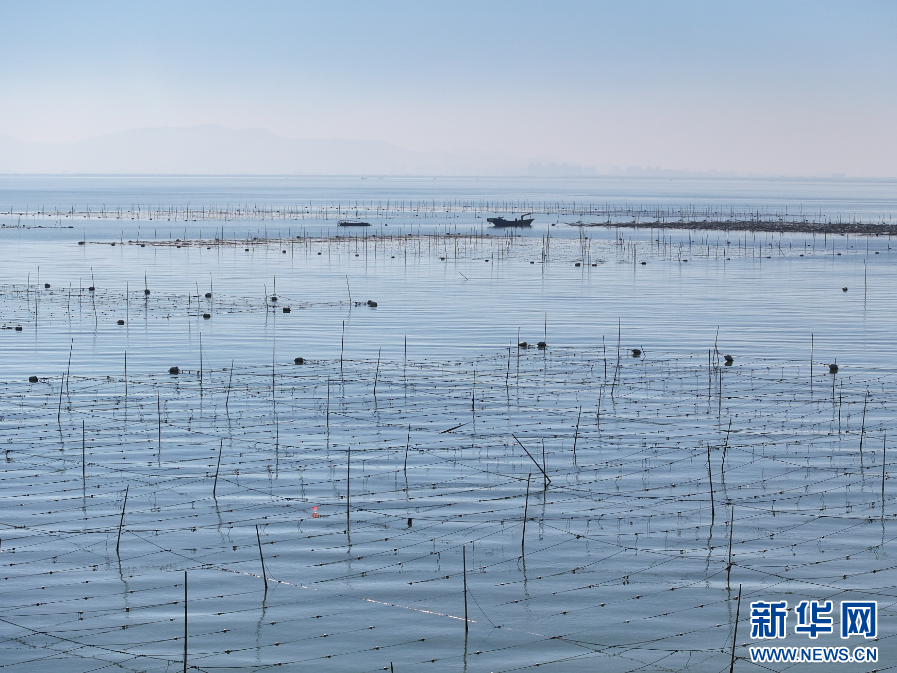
x: 674, y: 174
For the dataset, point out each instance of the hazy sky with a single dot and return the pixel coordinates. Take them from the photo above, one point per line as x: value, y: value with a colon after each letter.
x: 804, y: 88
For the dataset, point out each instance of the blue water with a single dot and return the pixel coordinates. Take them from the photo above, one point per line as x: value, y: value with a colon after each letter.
x: 866, y: 199
x: 623, y: 564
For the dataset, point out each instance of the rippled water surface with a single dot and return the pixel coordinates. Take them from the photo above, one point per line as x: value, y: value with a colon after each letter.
x: 607, y: 505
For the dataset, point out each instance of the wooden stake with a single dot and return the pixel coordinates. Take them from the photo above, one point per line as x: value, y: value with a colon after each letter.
x: 525, y: 512
x: 261, y: 557
x: 726, y: 447
x: 473, y: 392
x: 407, y: 446
x: 729, y: 564
x: 159, y: 414
x: 59, y: 408
x: 220, y: 451
x: 533, y: 459
x: 377, y: 373
x: 710, y: 479
x: 229, y: 381
x: 83, y: 461
x: 508, y: 372
x: 576, y: 434
x: 735, y: 634
x: 464, y: 561
x: 122, y: 521
x: 863, y: 426
x: 71, y: 347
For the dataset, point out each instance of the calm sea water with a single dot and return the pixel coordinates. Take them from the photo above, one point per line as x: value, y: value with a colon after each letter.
x: 624, y: 563
x: 866, y: 199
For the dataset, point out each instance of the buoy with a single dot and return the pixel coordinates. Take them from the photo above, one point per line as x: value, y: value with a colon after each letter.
x: 729, y: 359
x: 146, y: 292
x: 174, y: 370
x: 80, y: 242
x: 206, y: 316
x: 299, y: 361
x: 286, y: 309
x: 273, y: 298
x: 542, y: 345
x: 636, y: 352
x: 643, y: 263
x: 577, y: 264
x: 91, y: 289
x: 284, y: 251
x: 143, y: 245
x: 208, y: 295
x: 247, y: 250
x: 18, y: 328
x: 32, y: 379
x: 523, y: 344
x: 46, y: 286
x: 843, y: 289
x: 833, y: 369
x: 121, y: 322
x: 372, y: 303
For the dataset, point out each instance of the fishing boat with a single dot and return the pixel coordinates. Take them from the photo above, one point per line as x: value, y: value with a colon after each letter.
x: 353, y: 223
x: 522, y: 221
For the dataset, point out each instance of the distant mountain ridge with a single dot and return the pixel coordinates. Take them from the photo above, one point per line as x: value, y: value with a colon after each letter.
x: 215, y: 150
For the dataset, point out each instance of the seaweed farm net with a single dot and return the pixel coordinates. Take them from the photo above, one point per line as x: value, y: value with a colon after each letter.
x: 607, y: 509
